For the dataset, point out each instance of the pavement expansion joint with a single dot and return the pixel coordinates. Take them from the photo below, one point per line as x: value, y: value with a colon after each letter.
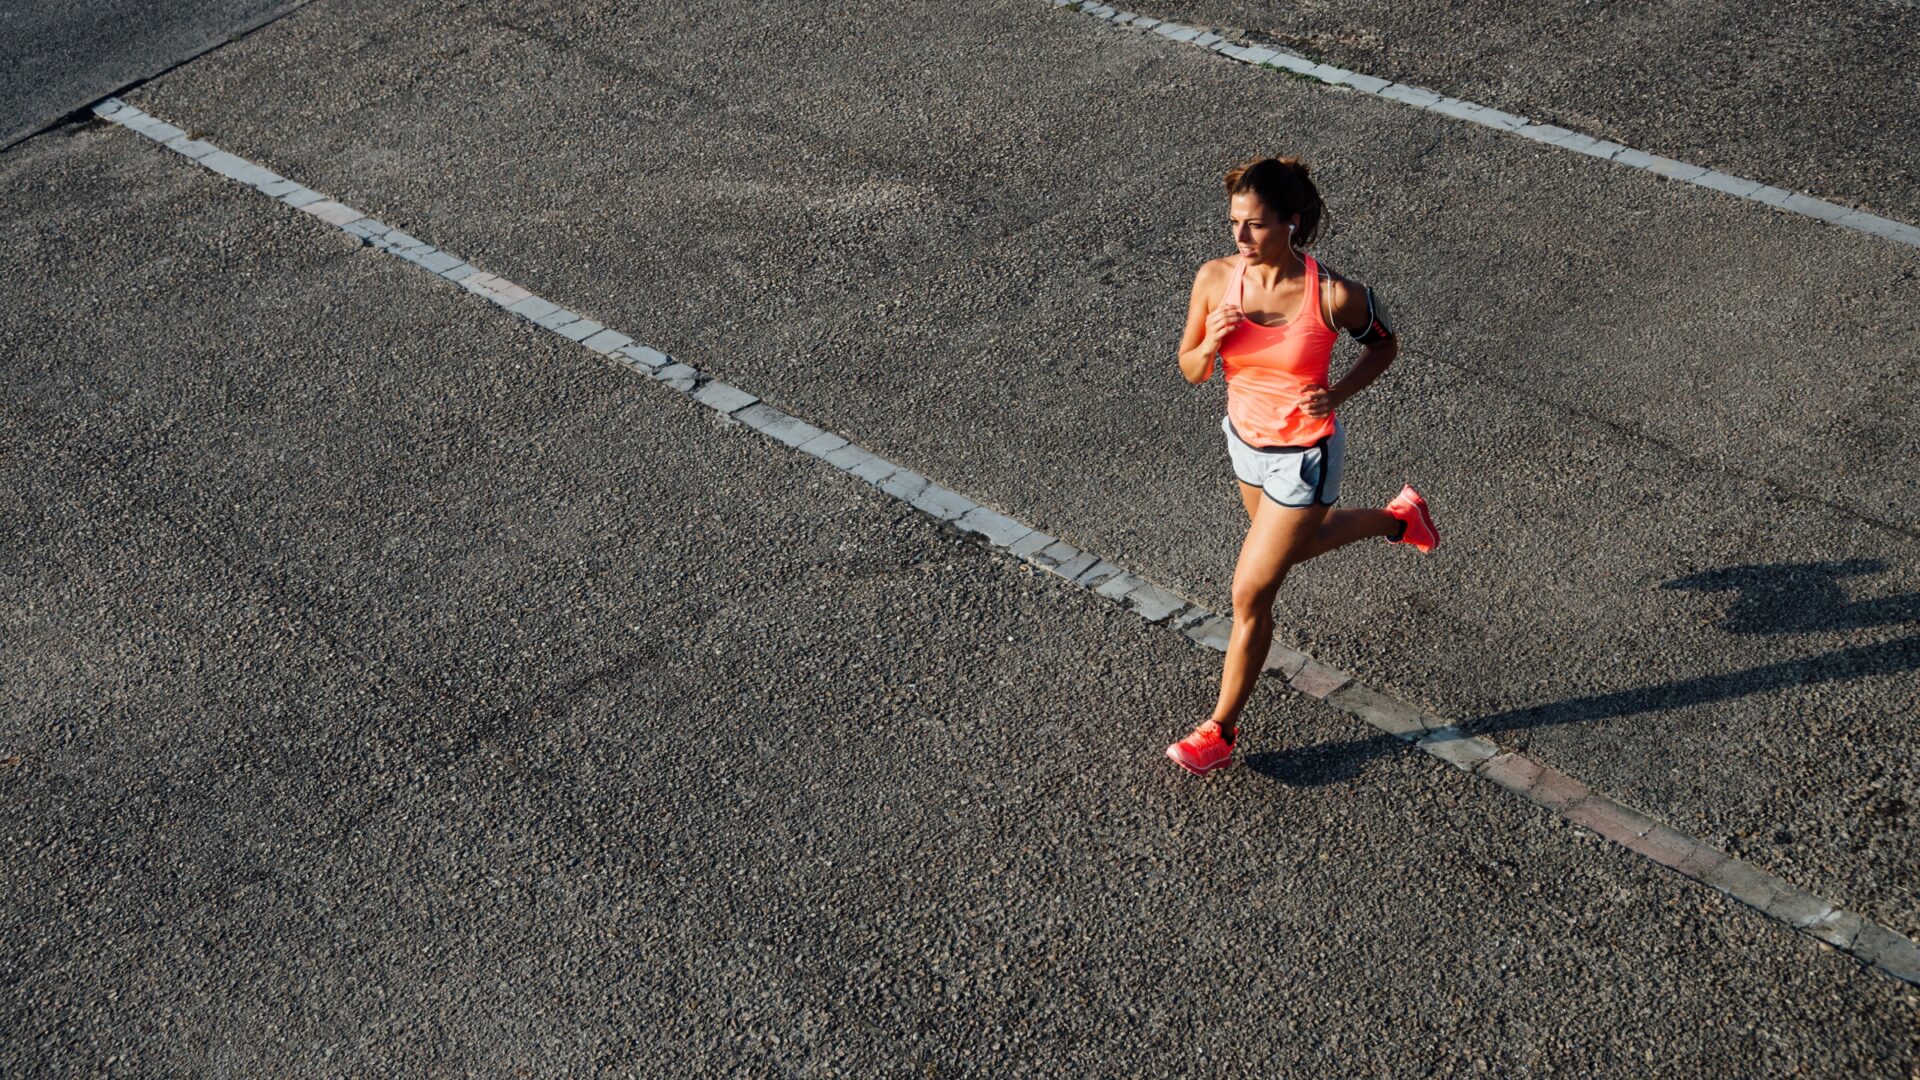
x: 1552, y: 135
x: 1872, y: 943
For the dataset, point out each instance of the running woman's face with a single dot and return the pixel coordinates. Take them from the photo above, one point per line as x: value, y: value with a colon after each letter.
x: 1256, y: 231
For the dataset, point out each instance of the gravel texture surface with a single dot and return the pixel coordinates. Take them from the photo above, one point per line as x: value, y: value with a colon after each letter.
x: 391, y: 689
x: 58, y: 55
x: 1679, y: 567
x: 1816, y: 98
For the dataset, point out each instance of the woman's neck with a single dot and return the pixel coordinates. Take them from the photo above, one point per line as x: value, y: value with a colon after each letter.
x: 1268, y: 274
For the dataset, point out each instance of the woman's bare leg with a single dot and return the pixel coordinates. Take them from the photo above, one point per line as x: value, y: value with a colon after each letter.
x: 1274, y: 544
x: 1342, y: 527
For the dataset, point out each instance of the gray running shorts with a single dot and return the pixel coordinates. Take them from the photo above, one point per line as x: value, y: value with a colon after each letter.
x: 1293, y: 476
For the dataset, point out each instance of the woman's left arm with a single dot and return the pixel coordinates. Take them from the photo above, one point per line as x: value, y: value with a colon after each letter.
x: 1357, y: 311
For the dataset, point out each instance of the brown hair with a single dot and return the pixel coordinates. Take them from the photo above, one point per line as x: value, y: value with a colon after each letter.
x: 1283, y: 185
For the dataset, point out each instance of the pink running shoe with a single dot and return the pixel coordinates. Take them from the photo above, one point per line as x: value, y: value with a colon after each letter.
x: 1203, y: 751
x: 1409, y: 507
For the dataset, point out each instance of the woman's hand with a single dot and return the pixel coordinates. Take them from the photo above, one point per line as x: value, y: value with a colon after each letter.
x: 1317, y: 402
x: 1222, y: 321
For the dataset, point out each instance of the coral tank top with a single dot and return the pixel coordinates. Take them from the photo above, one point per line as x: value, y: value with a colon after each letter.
x: 1269, y: 369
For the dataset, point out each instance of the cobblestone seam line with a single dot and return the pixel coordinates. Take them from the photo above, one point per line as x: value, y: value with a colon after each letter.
x: 1870, y: 942
x: 1433, y: 101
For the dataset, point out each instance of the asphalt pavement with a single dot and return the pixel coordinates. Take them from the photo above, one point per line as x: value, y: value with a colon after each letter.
x: 1814, y: 97
x: 57, y: 56
x: 395, y: 689
x: 965, y: 242
x: 399, y: 690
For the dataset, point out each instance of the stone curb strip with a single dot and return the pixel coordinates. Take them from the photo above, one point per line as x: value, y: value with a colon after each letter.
x: 1870, y: 942
x: 1433, y: 101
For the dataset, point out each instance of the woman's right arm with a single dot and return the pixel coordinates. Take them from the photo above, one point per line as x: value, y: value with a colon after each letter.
x: 1205, y: 329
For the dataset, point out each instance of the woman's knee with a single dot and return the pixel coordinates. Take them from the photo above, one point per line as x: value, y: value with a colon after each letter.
x: 1254, y: 600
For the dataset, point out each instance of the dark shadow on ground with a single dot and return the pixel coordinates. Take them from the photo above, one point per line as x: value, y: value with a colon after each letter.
x: 1779, y: 599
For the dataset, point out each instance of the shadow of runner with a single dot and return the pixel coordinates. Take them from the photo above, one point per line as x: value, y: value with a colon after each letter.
x: 1787, y: 598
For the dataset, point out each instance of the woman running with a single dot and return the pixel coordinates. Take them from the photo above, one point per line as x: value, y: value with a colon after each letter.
x: 1270, y: 313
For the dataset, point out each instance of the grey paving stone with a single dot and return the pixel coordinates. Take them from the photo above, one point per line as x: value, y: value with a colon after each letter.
x: 1059, y: 551
x: 645, y: 355
x: 1455, y: 107
x: 1602, y: 149
x: 1206, y: 39
x: 942, y: 502
x: 1031, y: 544
x: 1389, y: 714
x: 1610, y: 819
x: 193, y: 148
x: 874, y: 469
x: 822, y: 444
x: 1284, y: 660
x: 1770, y: 195
x: 1743, y: 882
x: 999, y: 529
x: 1145, y: 22
x: 1551, y: 134
x: 1212, y: 632
x: 1153, y: 603
x: 396, y: 241
x: 1259, y: 54
x: 439, y: 262
x: 1840, y: 928
x: 678, y: 377
x: 1575, y: 141
x: 1299, y: 65
x: 1119, y: 585
x: 557, y: 317
x: 278, y: 188
x: 723, y: 397
x: 1505, y: 121
x: 1318, y: 680
x: 1797, y: 907
x: 1176, y: 31
x: 161, y: 131
x: 579, y: 330
x: 1732, y: 185
x: 1557, y: 791
x: 1368, y: 84
x: 532, y: 308
x: 1888, y: 951
x: 1074, y: 567
x: 1100, y: 573
x: 1875, y: 225
x: 257, y: 175
x: 1417, y: 96
x: 1457, y: 748
x: 903, y: 484
x: 1329, y: 74
x: 334, y: 213
x: 1677, y: 170
x: 301, y: 196
x: 1817, y: 208
x: 1233, y: 52
x: 790, y: 430
x: 606, y: 341
x: 365, y: 228
x: 850, y: 458
x: 1515, y: 772
x: 460, y: 273
x: 1638, y: 159
x: 112, y: 107
x: 225, y: 164
x: 1668, y: 847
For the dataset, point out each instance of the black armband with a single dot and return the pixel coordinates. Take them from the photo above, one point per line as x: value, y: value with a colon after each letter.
x: 1377, y: 329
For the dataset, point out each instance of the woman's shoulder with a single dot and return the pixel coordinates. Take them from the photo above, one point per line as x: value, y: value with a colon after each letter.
x: 1215, y: 272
